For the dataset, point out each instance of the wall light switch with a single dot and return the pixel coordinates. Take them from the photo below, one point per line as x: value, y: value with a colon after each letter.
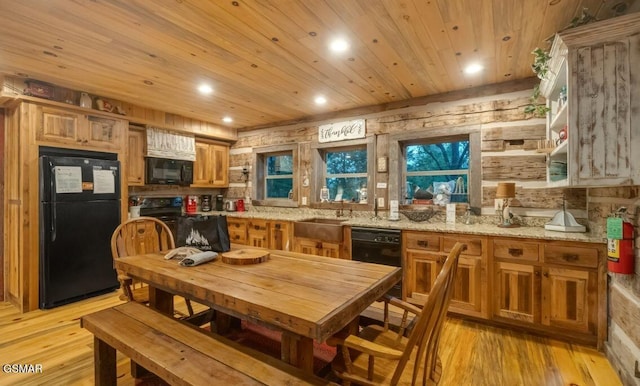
x: 304, y: 201
x: 380, y: 202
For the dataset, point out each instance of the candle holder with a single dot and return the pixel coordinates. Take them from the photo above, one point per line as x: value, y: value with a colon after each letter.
x: 506, y: 191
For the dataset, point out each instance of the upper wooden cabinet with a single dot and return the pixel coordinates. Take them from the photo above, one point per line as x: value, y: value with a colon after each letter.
x: 135, y: 157
x: 211, y: 168
x: 592, y: 66
x: 55, y: 126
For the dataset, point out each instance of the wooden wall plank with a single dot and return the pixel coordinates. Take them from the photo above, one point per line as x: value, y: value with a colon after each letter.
x: 518, y: 168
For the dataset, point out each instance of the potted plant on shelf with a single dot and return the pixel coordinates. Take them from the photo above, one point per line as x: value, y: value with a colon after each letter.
x: 540, y: 67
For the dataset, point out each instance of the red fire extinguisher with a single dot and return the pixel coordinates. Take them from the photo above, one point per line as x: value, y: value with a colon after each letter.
x: 620, y: 252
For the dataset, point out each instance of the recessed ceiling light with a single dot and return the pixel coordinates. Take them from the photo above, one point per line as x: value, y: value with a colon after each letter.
x: 339, y: 45
x: 227, y: 119
x: 205, y: 89
x: 320, y: 100
x: 473, y: 68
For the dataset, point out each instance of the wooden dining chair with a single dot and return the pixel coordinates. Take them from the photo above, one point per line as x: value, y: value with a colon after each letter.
x: 378, y: 355
x: 135, y: 237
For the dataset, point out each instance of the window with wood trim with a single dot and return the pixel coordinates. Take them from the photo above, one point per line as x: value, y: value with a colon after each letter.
x: 435, y: 155
x: 345, y: 173
x: 278, y: 175
x: 274, y: 179
x: 437, y: 170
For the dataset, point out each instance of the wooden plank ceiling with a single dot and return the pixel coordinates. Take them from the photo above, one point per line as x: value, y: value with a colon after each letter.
x: 267, y: 60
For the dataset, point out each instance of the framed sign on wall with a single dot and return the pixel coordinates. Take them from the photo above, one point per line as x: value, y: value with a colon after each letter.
x: 341, y: 131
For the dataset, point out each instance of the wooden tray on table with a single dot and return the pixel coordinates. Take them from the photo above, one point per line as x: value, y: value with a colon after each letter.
x: 245, y: 256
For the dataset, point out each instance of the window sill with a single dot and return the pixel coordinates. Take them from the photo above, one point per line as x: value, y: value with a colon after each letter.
x: 282, y: 203
x: 338, y: 205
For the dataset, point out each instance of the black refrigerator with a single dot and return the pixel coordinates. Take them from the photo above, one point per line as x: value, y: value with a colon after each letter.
x: 79, y: 210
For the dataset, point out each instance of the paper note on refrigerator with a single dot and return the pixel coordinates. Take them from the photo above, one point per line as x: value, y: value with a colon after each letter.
x: 104, y: 181
x: 68, y: 179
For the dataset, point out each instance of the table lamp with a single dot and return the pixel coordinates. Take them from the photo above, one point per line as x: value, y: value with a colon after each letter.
x: 506, y: 191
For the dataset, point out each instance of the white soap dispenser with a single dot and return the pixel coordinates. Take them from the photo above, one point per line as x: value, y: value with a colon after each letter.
x: 324, y: 194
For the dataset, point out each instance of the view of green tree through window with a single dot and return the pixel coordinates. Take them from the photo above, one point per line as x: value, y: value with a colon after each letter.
x: 346, y: 173
x: 430, y: 165
x: 279, y: 175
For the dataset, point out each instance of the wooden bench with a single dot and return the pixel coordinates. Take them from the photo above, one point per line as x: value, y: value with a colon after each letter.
x: 179, y: 353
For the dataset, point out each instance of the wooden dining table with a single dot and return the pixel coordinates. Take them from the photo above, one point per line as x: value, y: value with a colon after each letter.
x: 306, y: 297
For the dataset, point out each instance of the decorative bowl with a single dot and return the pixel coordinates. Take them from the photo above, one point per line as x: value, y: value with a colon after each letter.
x: 419, y: 215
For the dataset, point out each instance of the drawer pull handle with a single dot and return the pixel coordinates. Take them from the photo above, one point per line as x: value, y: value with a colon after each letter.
x: 423, y: 243
x: 515, y: 252
x: 570, y: 257
x: 257, y: 227
x: 277, y: 226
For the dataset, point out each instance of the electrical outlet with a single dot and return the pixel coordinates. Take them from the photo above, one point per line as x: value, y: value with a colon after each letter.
x: 304, y: 201
x: 380, y: 202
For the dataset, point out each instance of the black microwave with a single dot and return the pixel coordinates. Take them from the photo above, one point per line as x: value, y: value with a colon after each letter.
x: 169, y: 171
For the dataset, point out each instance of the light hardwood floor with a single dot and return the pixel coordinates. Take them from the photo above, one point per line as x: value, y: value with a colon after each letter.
x: 472, y: 354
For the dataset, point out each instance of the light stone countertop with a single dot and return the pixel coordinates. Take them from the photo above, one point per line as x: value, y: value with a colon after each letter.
x: 433, y: 225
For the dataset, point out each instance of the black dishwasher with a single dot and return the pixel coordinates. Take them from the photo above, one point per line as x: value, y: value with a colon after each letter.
x: 379, y: 246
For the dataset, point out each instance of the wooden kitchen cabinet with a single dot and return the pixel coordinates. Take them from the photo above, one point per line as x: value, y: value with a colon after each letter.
x: 317, y: 247
x: 555, y: 287
x: 211, y: 167
x: 258, y: 233
x: 136, y: 140
x: 592, y: 65
x: 29, y: 125
x: 424, y: 254
x: 516, y: 290
x: 237, y: 230
x: 280, y: 237
x: 59, y: 127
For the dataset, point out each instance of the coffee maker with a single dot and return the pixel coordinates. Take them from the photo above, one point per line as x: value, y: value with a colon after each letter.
x: 219, y: 203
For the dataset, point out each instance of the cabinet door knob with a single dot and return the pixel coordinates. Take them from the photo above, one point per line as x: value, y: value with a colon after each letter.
x: 515, y: 252
x: 546, y: 274
x: 537, y: 273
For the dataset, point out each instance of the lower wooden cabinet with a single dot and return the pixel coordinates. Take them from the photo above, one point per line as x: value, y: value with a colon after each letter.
x: 237, y: 230
x: 555, y: 287
x: 280, y: 236
x: 516, y: 292
x: 272, y: 234
x: 424, y: 255
x: 258, y: 233
x: 317, y: 247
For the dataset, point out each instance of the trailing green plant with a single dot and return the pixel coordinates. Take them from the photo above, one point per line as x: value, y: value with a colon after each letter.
x: 540, y: 64
x: 534, y: 107
x: 584, y: 18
